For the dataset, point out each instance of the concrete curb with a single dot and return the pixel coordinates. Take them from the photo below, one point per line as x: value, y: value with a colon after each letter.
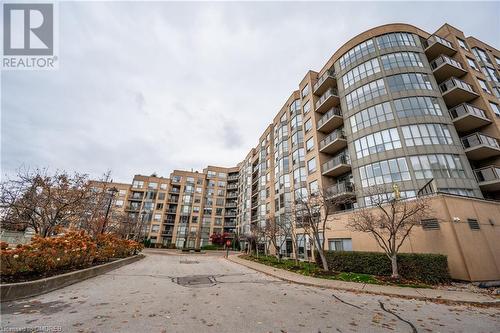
x: 15, y: 291
x: 434, y: 295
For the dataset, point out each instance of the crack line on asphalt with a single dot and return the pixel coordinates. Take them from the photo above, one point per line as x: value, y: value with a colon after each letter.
x: 414, y: 329
x: 341, y: 300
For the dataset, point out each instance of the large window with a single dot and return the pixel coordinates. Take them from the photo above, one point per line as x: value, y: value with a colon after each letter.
x: 437, y: 166
x: 356, y: 53
x: 384, y: 172
x: 481, y: 55
x: 365, y: 93
x: 409, y: 81
x: 417, y: 106
x: 299, y: 175
x: 296, y: 122
x: 462, y: 44
x: 298, y: 156
x: 311, y: 165
x: 360, y: 72
x: 401, y: 59
x: 377, y: 142
x: 396, y: 39
x: 484, y: 85
x: 340, y: 244
x: 371, y: 116
x: 426, y: 134
x: 472, y: 63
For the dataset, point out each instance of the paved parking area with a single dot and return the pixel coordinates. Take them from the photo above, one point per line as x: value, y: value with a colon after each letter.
x: 167, y: 292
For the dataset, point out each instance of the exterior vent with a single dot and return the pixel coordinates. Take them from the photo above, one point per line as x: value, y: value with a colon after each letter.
x: 430, y: 224
x: 473, y: 224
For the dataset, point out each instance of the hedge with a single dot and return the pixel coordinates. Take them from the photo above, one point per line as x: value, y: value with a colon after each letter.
x: 427, y: 268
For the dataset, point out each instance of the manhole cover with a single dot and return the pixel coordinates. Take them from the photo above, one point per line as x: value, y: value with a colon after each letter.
x: 195, y: 280
x: 189, y: 262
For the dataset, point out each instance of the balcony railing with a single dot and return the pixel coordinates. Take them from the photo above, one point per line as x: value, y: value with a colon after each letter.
x: 455, y: 83
x: 330, y: 92
x: 466, y: 109
x: 232, y: 186
x: 487, y: 174
x: 329, y: 74
x: 478, y: 139
x: 442, y: 59
x: 329, y: 115
x: 340, y: 187
x: 337, y: 134
x: 232, y: 178
x: 340, y: 159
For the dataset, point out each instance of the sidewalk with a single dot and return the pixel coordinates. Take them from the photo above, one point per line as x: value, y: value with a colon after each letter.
x: 405, y: 292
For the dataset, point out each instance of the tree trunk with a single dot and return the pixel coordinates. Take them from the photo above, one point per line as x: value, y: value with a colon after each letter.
x: 324, y: 263
x: 394, y: 263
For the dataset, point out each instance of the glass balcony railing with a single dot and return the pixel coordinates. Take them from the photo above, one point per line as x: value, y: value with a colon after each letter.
x: 337, y: 134
x: 466, y: 109
x: 341, y: 187
x: 442, y: 59
x: 436, y: 39
x: 477, y: 139
x: 455, y: 83
x: 322, y: 78
x: 330, y: 92
x: 340, y: 159
x: 328, y: 115
x: 487, y: 174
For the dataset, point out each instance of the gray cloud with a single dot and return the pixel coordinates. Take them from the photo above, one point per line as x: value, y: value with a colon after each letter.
x: 206, y: 77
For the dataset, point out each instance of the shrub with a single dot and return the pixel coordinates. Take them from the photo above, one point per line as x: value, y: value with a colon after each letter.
x: 427, y: 268
x: 210, y: 247
x: 65, y: 252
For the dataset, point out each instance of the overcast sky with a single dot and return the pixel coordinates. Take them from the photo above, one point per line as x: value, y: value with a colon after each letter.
x: 152, y: 87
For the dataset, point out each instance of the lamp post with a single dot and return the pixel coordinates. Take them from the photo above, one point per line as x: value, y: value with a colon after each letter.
x: 112, y: 191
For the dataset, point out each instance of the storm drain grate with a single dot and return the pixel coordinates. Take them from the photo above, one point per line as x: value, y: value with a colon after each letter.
x: 195, y: 280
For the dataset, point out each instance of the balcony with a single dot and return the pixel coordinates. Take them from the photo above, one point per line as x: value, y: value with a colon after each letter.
x: 232, y: 195
x: 330, y: 120
x: 435, y: 45
x: 230, y: 204
x: 343, y: 189
x: 132, y: 209
x: 171, y: 211
x: 479, y: 146
x: 232, y: 186
x: 467, y: 117
x: 230, y: 214
x: 444, y: 67
x: 325, y: 81
x: 337, y: 165
x: 488, y: 178
x: 456, y: 91
x: 232, y: 178
x: 333, y: 142
x: 328, y: 100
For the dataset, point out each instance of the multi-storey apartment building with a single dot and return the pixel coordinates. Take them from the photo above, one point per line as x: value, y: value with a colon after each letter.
x: 394, y: 105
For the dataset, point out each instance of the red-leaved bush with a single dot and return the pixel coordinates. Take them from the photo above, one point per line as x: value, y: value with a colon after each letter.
x: 73, y: 249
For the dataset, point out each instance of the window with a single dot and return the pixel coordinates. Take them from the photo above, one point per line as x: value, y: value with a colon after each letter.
x: 377, y: 142
x: 313, y: 186
x: 178, y: 179
x: 157, y: 217
x: 299, y: 175
x: 430, y: 224
x: 409, y: 81
x: 426, y: 134
x: 497, y: 60
x: 384, y: 172
x: 310, y: 144
x: 385, y: 197
x: 437, y: 166
x: 401, y: 59
x: 481, y: 55
x: 360, y: 72
x: 490, y: 73
x: 462, y: 44
x: 298, y: 156
x: 473, y: 224
x: 122, y: 192
x: 365, y: 93
x: 161, y: 196
x: 311, y: 165
x: 296, y: 122
x: 155, y: 227
x: 356, y: 53
x: 153, y: 185
x: 417, y: 106
x: 484, y: 85
x: 308, y: 125
x: 472, y: 63
x: 340, y: 244
x: 137, y: 184
x: 466, y: 192
x: 305, y: 91
x: 307, y: 107
x: 295, y: 106
x: 371, y: 116
x: 495, y: 108
x: 396, y: 39
x: 297, y: 138
x: 119, y: 203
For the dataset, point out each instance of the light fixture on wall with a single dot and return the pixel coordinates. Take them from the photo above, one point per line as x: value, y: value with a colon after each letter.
x: 456, y: 219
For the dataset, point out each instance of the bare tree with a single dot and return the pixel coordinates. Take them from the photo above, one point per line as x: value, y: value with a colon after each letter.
x: 278, y: 230
x: 390, y: 220
x: 311, y: 214
x: 42, y: 201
